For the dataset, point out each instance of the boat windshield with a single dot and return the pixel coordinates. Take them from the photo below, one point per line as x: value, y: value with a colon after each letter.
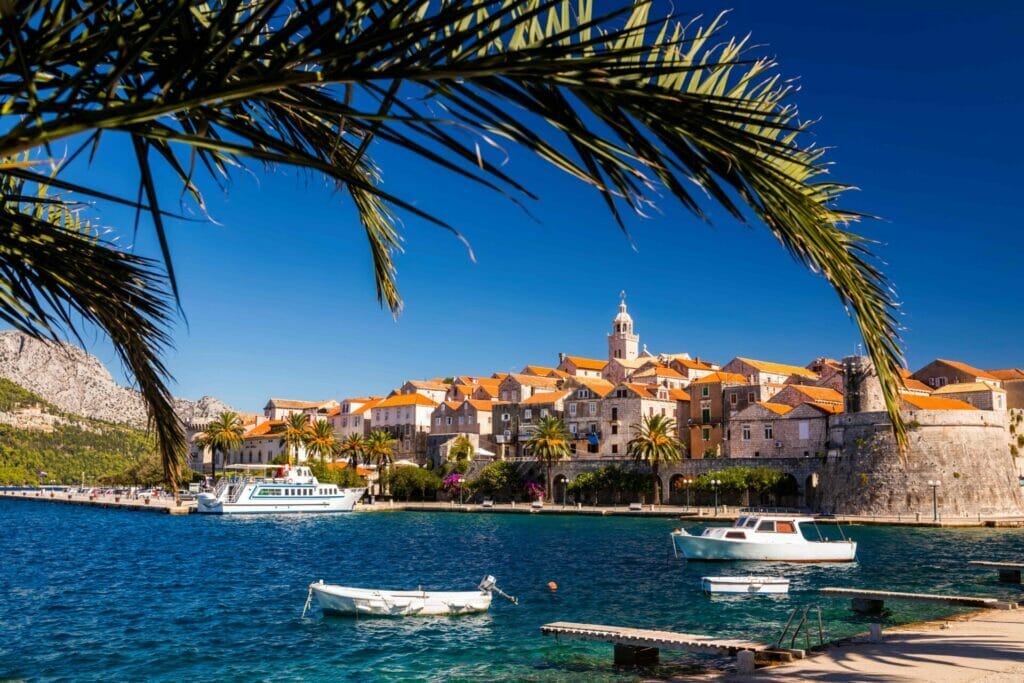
x: 740, y: 521
x: 751, y: 523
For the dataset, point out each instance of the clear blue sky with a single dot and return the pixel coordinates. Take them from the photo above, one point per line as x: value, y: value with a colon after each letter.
x: 921, y: 101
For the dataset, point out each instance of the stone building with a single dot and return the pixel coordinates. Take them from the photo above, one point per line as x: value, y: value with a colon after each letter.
x: 434, y: 389
x: 622, y: 341
x: 1012, y: 380
x: 516, y: 388
x: 738, y: 397
x: 578, y: 366
x: 941, y: 372
x: 752, y: 432
x: 407, y: 418
x: 794, y: 394
x: 708, y: 414
x: 765, y: 372
x: 353, y: 416
x: 978, y: 394
x: 281, y: 408
x: 624, y: 409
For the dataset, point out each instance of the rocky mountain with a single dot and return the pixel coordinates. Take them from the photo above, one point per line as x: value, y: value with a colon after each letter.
x: 76, y: 382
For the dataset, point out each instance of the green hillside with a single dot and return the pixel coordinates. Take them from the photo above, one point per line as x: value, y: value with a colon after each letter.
x: 100, y: 452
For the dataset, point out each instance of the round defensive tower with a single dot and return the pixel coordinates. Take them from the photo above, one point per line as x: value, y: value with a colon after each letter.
x: 964, y: 450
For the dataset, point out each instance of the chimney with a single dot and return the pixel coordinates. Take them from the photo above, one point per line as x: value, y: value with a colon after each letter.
x: 561, y: 357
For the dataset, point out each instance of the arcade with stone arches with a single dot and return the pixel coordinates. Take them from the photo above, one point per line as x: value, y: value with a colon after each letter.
x: 799, y: 488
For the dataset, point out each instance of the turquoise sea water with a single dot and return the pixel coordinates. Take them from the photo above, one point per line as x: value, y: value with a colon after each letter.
x: 93, y: 594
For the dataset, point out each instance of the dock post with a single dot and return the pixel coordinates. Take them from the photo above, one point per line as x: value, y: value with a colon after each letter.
x: 745, y: 662
x: 1009, y: 576
x: 632, y: 655
x: 875, y: 633
x: 867, y: 605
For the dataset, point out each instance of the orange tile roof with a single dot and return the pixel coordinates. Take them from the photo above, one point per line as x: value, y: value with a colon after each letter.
x: 333, y: 411
x: 372, y: 403
x: 818, y: 394
x: 531, y: 381
x: 601, y: 387
x: 587, y: 363
x: 360, y: 470
x: 264, y: 429
x: 693, y: 364
x: 539, y: 371
x: 641, y: 390
x: 778, y: 368
x: 1007, y: 374
x: 288, y: 404
x: 485, y: 406
x: 964, y: 388
x: 406, y: 400
x: 910, y: 383
x: 451, y: 405
x: 500, y: 375
x: 546, y: 397
x: 966, y: 369
x: 776, y: 408
x: 431, y: 384
x: 659, y: 371
x: 489, y: 390
x: 935, y: 403
x: 720, y: 376
x: 361, y: 399
x: 826, y: 407
x: 678, y: 395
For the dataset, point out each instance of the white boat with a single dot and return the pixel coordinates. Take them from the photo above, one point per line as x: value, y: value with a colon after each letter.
x: 744, y: 584
x: 346, y: 600
x: 291, y: 489
x: 762, y: 537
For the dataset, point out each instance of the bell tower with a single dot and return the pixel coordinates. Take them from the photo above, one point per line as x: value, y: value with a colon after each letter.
x: 622, y: 343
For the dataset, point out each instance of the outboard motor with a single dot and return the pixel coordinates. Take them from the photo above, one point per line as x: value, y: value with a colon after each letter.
x: 489, y: 585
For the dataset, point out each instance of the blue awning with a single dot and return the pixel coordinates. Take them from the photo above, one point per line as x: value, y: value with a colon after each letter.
x: 592, y: 438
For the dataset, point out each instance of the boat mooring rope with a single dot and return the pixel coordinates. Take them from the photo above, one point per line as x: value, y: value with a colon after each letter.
x: 309, y: 598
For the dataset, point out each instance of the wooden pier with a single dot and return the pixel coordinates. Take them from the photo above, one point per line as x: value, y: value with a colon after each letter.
x: 873, y: 601
x: 1009, y: 572
x: 642, y: 646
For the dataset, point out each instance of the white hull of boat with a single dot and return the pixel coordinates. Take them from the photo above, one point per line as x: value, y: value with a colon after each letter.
x: 348, y: 601
x: 707, y: 548
x: 751, y: 585
x: 344, y: 501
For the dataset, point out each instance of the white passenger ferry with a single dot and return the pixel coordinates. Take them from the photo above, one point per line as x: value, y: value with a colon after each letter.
x: 291, y: 489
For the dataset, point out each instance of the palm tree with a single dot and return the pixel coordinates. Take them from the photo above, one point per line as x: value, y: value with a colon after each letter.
x: 320, y: 441
x: 353, y: 447
x: 549, y: 443
x: 631, y: 104
x: 461, y: 454
x: 222, y: 435
x: 379, y: 450
x: 296, y: 433
x: 655, y: 442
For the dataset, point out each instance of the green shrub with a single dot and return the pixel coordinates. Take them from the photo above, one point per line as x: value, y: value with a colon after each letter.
x: 413, y: 483
x: 499, y: 480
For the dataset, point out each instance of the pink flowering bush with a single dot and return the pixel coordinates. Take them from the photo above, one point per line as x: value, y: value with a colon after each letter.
x: 534, y: 491
x: 453, y: 482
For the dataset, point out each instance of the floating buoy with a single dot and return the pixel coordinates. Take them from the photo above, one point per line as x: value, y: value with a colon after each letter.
x: 552, y: 585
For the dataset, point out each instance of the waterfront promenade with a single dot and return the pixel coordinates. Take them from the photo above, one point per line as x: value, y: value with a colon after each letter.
x: 701, y: 514
x: 161, y: 504
x: 980, y: 647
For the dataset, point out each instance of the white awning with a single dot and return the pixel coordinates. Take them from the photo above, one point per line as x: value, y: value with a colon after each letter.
x: 405, y: 463
x: 483, y: 451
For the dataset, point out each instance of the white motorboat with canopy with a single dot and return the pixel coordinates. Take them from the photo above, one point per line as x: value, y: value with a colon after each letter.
x: 349, y: 601
x: 289, y: 489
x: 763, y: 537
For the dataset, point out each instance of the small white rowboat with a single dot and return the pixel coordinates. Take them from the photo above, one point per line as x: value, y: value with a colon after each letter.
x: 744, y: 584
x: 349, y: 601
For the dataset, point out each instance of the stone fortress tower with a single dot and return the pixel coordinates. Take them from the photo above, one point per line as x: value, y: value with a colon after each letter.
x: 622, y: 343
x: 964, y: 450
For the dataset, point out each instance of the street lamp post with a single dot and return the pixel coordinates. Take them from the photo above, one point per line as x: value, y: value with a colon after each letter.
x: 688, y: 482
x: 935, y: 483
x: 565, y: 493
x: 714, y: 485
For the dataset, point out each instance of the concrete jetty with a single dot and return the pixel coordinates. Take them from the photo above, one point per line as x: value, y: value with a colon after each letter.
x: 163, y: 504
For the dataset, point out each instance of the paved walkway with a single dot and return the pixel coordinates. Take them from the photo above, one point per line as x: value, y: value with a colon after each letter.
x: 985, y: 647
